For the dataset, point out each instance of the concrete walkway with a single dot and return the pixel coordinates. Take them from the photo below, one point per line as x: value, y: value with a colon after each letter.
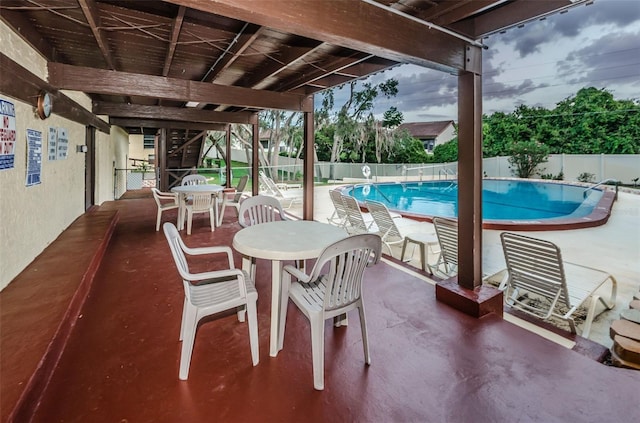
x: 613, y: 247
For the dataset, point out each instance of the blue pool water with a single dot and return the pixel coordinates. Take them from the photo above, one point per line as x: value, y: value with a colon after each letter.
x: 501, y: 199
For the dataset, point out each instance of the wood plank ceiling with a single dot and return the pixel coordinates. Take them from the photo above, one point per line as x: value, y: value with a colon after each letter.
x: 143, y: 62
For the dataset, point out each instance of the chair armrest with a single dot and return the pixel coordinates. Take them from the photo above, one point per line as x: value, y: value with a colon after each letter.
x: 196, y: 251
x: 294, y: 271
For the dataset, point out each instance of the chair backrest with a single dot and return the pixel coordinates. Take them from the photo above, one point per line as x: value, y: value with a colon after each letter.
x: 271, y: 186
x: 177, y: 248
x: 201, y: 201
x: 336, y: 199
x: 447, y: 232
x: 354, y: 214
x: 535, y: 266
x: 259, y: 209
x: 348, y: 259
x: 194, y: 180
x: 386, y: 224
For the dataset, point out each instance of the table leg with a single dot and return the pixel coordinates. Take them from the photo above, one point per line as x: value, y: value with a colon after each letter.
x: 181, y: 201
x: 276, y: 285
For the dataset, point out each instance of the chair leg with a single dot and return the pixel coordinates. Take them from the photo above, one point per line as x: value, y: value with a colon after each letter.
x: 317, y: 351
x: 252, y: 313
x: 590, y: 315
x: 241, y: 311
x: 184, y: 317
x: 187, y: 343
x: 158, y: 219
x: 212, y: 219
x: 284, y: 301
x: 365, y: 338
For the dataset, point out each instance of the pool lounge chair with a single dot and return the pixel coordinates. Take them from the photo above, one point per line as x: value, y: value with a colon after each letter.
x: 286, y: 196
x: 359, y: 222
x: 447, y: 264
x: 535, y: 266
x: 391, y: 233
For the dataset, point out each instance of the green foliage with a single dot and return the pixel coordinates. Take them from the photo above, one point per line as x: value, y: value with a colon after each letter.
x: 392, y: 118
x: 586, y: 177
x: 525, y: 157
x: 558, y: 177
x: 591, y: 122
x: 447, y: 152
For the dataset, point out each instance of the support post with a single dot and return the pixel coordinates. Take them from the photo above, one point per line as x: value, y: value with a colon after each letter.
x: 309, y: 141
x: 465, y: 291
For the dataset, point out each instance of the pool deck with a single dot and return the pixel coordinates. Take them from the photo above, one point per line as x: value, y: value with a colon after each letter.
x: 613, y: 247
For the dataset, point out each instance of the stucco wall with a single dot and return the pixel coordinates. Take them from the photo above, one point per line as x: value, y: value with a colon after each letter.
x: 32, y: 217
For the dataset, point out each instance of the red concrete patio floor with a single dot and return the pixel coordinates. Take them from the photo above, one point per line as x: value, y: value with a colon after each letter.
x: 430, y: 363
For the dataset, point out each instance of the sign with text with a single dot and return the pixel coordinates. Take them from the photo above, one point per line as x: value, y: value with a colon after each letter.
x: 63, y: 143
x: 7, y: 134
x: 53, y: 143
x: 34, y: 157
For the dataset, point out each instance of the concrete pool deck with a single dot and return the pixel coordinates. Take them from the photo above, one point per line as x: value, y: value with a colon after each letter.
x: 613, y: 247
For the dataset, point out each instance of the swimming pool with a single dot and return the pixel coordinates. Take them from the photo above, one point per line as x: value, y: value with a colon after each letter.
x: 506, y: 203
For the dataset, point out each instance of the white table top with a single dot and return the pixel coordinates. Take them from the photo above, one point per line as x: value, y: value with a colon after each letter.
x: 184, y: 189
x: 287, y: 239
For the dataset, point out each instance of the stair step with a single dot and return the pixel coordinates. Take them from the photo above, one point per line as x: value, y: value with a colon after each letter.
x: 631, y: 315
x: 627, y: 351
x: 625, y: 328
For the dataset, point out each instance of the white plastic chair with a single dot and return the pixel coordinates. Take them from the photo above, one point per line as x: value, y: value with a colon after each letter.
x: 201, y: 203
x: 211, y: 292
x: 260, y: 209
x: 322, y: 296
x: 232, y: 198
x: 256, y: 210
x: 165, y: 201
x: 194, y: 180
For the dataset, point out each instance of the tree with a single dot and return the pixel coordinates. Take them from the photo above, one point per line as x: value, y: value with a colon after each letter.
x: 526, y: 156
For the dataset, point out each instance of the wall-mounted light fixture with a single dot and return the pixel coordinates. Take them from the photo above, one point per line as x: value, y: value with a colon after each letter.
x: 81, y: 149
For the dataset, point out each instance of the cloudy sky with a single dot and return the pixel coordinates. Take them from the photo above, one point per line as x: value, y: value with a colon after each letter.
x: 539, y: 64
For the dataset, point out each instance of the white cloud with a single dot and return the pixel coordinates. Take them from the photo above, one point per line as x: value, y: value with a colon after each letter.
x: 538, y: 65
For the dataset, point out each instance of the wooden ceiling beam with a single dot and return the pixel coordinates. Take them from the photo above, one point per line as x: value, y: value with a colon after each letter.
x: 240, y: 44
x: 348, y: 23
x: 176, y: 27
x: 25, y: 29
x: 100, y: 81
x: 92, y: 15
x: 511, y: 14
x: 171, y: 113
x: 285, y: 58
x: 168, y: 124
x: 25, y: 86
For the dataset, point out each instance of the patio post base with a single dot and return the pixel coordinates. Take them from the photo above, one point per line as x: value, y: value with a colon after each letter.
x: 474, y: 302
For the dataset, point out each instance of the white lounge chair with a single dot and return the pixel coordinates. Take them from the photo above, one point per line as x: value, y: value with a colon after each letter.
x: 321, y: 296
x: 339, y: 216
x: 359, y: 222
x: 391, y: 233
x: 209, y: 293
x: 535, y: 266
x: 447, y: 264
x: 269, y: 187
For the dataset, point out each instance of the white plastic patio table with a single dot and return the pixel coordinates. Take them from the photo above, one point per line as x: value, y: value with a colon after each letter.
x: 283, y: 240
x: 185, y: 190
